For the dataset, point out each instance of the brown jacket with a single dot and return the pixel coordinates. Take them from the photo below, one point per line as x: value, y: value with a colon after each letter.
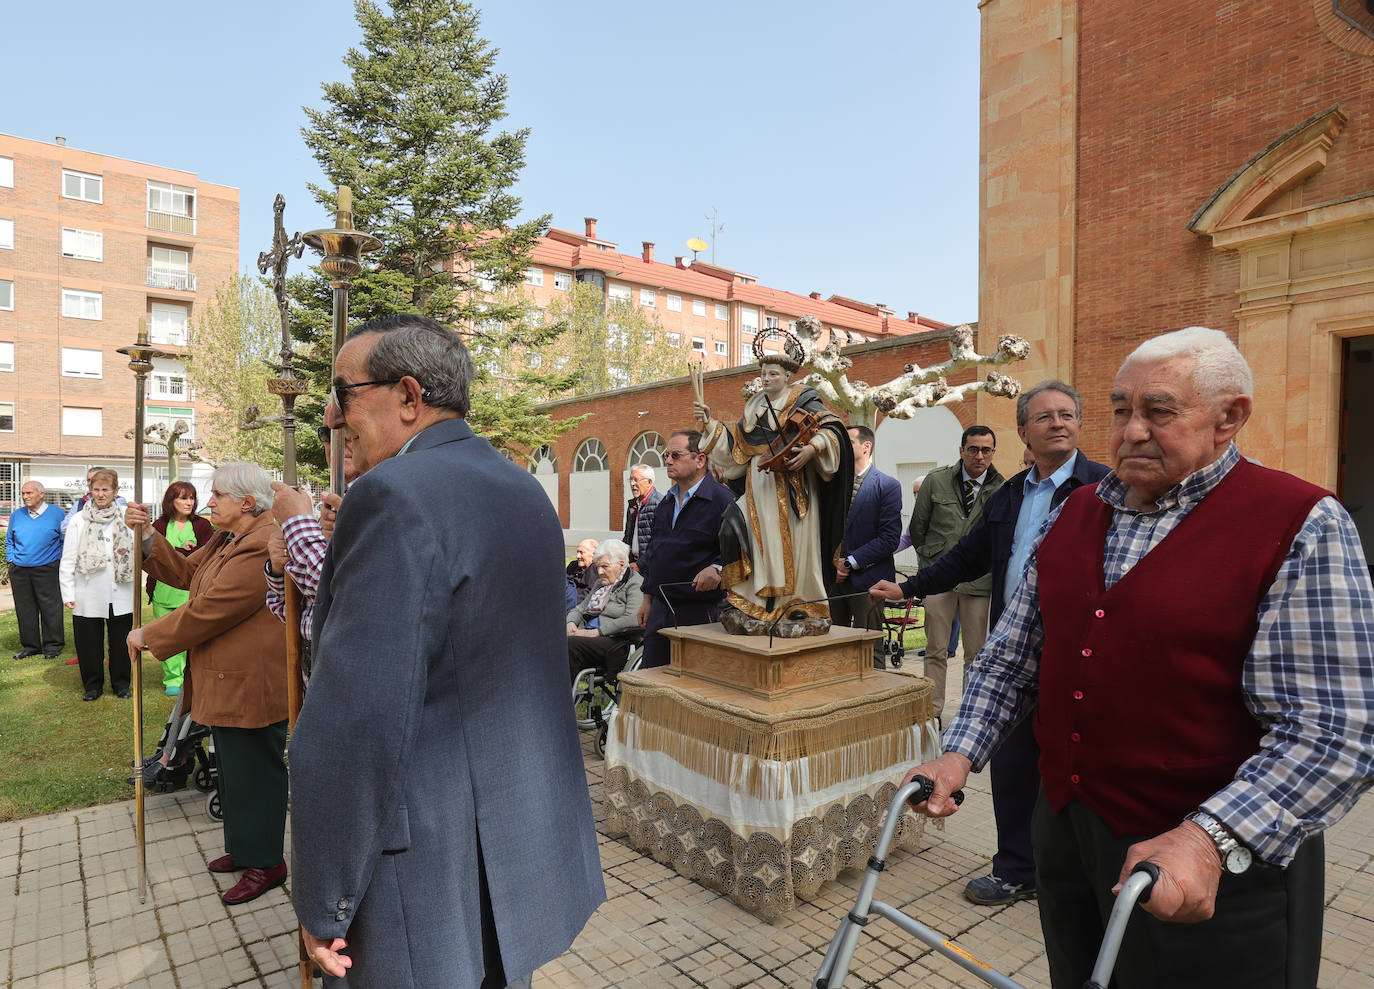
x: 236, y: 648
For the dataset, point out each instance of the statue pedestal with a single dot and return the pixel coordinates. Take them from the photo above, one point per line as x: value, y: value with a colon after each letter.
x: 759, y: 771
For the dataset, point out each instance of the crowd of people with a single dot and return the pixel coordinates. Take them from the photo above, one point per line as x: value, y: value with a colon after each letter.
x: 1165, y: 660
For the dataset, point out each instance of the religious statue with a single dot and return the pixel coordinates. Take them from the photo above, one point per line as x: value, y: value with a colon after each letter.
x: 789, y: 459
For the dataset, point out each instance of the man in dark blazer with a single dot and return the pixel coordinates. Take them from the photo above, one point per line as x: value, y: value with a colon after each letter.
x: 442, y: 832
x: 871, y: 535
x: 682, y: 565
x: 1048, y: 418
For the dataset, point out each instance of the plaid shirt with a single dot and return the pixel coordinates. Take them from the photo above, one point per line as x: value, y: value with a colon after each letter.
x: 305, y: 546
x: 1307, y: 679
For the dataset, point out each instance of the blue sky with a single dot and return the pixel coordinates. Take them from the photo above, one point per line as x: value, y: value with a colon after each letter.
x: 839, y: 142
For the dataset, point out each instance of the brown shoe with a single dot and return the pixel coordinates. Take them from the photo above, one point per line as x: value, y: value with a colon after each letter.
x: 254, y: 883
x: 225, y: 863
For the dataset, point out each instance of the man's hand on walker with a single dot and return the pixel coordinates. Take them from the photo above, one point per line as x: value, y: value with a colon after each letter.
x: 1189, y: 872
x: 948, y: 772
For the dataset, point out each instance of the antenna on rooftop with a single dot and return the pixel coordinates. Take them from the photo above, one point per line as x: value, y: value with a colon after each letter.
x: 695, y: 245
x: 716, y: 228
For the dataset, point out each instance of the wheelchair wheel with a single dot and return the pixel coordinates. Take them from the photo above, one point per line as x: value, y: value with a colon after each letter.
x: 599, y: 742
x: 203, y: 780
x: 212, y: 806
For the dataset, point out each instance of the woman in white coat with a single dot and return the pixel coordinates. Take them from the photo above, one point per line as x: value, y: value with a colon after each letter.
x: 97, y: 578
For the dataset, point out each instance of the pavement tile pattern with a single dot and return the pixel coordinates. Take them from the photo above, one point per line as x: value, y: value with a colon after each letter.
x: 70, y: 916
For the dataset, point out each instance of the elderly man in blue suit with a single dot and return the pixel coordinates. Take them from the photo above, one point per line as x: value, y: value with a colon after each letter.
x: 441, y: 827
x: 871, y: 535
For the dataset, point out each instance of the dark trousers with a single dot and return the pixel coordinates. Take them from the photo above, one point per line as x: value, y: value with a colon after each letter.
x: 658, y: 651
x: 1015, y: 770
x: 1266, y: 932
x: 252, y: 792
x: 605, y: 652
x: 38, y: 607
x: 91, y: 636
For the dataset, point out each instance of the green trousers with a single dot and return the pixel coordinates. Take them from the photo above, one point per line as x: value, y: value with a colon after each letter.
x: 252, y: 792
x: 173, y: 667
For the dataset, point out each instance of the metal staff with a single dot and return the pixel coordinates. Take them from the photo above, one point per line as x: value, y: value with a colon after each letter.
x: 140, y: 362
x: 341, y: 246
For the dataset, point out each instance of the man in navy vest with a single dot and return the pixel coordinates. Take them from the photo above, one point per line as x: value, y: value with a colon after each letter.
x: 871, y: 535
x: 1193, y: 637
x: 1048, y: 417
x: 682, y: 565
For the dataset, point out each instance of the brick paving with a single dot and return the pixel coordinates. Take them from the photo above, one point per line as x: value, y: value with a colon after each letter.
x: 70, y: 916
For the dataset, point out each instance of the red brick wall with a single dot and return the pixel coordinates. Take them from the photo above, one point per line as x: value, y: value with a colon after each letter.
x: 614, y: 417
x: 1174, y: 98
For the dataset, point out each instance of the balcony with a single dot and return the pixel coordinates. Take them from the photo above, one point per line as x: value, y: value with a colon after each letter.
x: 171, y: 222
x: 174, y: 278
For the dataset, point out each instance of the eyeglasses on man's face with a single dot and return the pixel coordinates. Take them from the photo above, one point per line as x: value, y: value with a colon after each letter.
x: 341, y: 395
x: 1053, y: 416
x: 678, y: 454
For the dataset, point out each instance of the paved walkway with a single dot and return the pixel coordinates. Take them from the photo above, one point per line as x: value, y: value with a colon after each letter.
x: 70, y: 916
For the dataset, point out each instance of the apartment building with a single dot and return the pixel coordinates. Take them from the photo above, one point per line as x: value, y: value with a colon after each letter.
x: 713, y: 310
x: 89, y: 245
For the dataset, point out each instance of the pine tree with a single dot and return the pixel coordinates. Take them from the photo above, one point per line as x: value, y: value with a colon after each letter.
x: 413, y: 133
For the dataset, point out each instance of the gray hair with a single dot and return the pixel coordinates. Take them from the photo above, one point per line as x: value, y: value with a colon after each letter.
x: 425, y: 350
x: 644, y: 469
x: 1023, y: 400
x: 243, y: 480
x: 615, y: 551
x: 1219, y: 369
x: 36, y: 483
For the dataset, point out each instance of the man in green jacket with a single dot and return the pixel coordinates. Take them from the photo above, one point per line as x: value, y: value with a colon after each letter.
x: 947, y: 506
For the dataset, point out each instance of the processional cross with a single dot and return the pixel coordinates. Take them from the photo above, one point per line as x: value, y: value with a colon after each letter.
x: 288, y: 386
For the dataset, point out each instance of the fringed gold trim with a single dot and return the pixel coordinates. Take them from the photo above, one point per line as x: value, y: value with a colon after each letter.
x: 762, y: 754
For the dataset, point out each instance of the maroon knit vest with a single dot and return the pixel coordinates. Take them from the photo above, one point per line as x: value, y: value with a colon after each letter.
x: 1141, y: 714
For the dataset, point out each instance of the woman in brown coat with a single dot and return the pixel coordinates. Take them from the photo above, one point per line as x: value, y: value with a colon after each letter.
x: 235, y: 667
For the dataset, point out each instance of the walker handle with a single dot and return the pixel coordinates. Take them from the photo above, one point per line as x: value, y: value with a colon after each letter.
x: 927, y: 788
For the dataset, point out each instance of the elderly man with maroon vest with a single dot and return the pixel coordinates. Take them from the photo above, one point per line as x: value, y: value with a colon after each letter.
x: 1193, y: 638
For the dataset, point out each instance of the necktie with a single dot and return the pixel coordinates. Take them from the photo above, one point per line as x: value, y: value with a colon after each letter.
x: 968, y: 496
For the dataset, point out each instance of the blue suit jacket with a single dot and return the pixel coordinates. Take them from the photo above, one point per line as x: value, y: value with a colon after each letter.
x: 874, y: 529
x: 437, y: 745
x: 988, y: 544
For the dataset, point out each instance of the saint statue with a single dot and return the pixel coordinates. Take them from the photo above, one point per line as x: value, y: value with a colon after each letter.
x: 789, y: 460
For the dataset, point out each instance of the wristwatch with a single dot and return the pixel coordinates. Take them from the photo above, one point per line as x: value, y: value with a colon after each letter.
x: 1235, y: 857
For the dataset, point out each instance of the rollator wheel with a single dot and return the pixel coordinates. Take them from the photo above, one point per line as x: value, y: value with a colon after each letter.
x: 213, y: 808
x: 204, y: 782
x: 895, y: 660
x: 599, y: 742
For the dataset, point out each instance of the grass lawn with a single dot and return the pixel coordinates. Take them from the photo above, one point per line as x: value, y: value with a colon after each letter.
x: 59, y: 752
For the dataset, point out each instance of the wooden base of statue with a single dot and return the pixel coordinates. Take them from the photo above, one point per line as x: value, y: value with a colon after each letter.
x: 763, y: 771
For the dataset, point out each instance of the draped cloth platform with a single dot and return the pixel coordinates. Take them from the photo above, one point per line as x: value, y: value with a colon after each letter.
x: 763, y: 772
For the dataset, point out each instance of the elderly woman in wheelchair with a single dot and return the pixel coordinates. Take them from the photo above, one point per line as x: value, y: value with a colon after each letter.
x: 603, y: 628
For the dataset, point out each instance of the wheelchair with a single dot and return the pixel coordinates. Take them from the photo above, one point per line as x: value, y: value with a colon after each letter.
x: 595, y: 694
x: 899, y: 617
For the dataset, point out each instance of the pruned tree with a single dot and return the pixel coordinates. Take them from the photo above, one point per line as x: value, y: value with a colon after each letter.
x: 916, y: 387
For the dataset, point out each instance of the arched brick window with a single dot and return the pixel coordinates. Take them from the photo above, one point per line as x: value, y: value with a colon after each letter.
x: 590, y: 456
x: 646, y: 449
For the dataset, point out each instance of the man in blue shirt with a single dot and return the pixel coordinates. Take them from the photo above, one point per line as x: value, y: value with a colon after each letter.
x: 33, y: 547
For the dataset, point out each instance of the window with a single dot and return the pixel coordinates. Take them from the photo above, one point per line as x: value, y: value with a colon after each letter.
x: 177, y: 200
x: 674, y: 339
x: 746, y: 351
x: 170, y: 268
x: 562, y: 280
x: 81, y: 185
x: 6, y: 417
x: 699, y: 307
x: 169, y: 380
x: 80, y: 422
x: 721, y: 348
x: 618, y: 293
x: 87, y: 245
x: 535, y: 317
x: 616, y: 337
x: 6, y: 295
x: 544, y: 461
x: 770, y: 322
x: 169, y: 416
x: 534, y: 276
x: 485, y: 281
x: 168, y: 324
x: 647, y: 297
x: 590, y: 456
x: 7, y: 173
x: 748, y: 320
x: 722, y: 312
x: 81, y: 363
x: 675, y: 303
x: 81, y: 305
x: 646, y: 449
x: 7, y: 234
x: 534, y: 360
x: 699, y: 344
x: 6, y: 357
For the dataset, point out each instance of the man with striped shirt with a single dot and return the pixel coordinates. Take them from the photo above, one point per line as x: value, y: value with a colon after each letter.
x: 1193, y: 637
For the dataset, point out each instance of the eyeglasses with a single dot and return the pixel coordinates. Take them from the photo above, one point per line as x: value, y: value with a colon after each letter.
x: 1062, y: 415
x: 981, y: 451
x: 339, y: 394
x: 679, y: 454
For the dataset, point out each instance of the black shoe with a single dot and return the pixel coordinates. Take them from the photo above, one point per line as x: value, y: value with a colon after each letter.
x: 52, y: 655
x: 124, y: 693
x: 92, y: 695
x: 25, y: 653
